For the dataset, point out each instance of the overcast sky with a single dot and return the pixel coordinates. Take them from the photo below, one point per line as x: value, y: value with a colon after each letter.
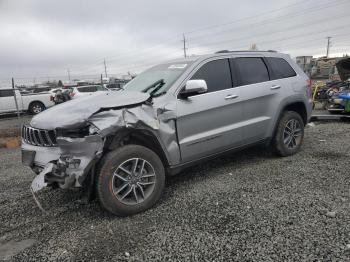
x: 41, y: 38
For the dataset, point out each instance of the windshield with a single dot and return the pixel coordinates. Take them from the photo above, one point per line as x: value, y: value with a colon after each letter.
x: 169, y: 73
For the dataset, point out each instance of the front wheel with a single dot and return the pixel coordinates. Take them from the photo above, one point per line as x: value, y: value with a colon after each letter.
x: 131, y: 180
x: 36, y: 108
x: 289, y: 134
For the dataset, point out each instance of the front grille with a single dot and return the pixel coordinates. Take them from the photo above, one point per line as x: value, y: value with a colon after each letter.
x: 38, y: 137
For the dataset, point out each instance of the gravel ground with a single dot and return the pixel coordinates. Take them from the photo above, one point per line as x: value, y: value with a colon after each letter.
x: 245, y: 206
x: 10, y: 126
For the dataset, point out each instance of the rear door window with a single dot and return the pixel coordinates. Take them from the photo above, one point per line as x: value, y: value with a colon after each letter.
x: 250, y: 70
x: 217, y: 75
x: 280, y: 68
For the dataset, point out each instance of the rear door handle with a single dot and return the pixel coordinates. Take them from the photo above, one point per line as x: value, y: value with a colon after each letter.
x: 231, y: 97
x: 275, y: 87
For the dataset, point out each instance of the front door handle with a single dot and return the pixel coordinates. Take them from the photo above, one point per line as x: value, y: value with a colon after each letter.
x: 231, y: 97
x: 275, y: 87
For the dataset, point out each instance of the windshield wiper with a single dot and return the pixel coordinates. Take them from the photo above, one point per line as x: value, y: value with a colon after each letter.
x: 156, y: 85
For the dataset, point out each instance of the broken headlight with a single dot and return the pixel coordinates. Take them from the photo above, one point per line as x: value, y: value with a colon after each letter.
x: 93, y: 129
x: 79, y: 132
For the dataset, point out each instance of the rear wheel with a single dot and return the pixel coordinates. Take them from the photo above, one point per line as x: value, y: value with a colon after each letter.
x: 131, y: 180
x: 289, y: 134
x: 36, y: 108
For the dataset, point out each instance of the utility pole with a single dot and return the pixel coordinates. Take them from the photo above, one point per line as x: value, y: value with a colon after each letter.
x: 184, y: 47
x: 68, y: 74
x: 104, y: 61
x: 328, y: 45
x: 14, y: 96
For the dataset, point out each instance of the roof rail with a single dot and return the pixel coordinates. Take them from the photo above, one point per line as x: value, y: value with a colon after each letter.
x: 239, y: 51
x: 223, y: 51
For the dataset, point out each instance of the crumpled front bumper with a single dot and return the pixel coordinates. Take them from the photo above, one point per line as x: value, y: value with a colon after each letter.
x: 67, y: 164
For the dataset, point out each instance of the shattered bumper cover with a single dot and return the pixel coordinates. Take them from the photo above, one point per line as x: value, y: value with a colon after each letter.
x: 67, y: 164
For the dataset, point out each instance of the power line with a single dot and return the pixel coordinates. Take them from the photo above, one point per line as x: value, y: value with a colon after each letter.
x: 209, y: 27
x: 125, y: 55
x: 240, y: 38
x: 247, y: 18
x: 302, y: 42
x: 280, y: 39
x: 273, y: 20
x: 298, y: 26
x: 120, y: 65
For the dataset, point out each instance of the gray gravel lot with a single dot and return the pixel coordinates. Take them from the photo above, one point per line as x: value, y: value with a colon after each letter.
x: 10, y: 126
x: 245, y: 206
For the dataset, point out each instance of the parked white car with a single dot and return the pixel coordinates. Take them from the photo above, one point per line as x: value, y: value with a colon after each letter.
x: 33, y: 103
x: 81, y: 91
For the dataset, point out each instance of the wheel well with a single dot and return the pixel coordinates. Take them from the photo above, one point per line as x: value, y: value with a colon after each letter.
x: 298, y: 107
x: 138, y: 137
x: 36, y: 101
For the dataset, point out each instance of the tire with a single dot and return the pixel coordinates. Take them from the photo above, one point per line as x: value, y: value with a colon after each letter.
x: 36, y: 108
x: 109, y: 181
x: 283, y: 144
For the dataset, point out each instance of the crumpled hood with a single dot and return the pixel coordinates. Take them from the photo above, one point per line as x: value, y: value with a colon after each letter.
x: 76, y: 112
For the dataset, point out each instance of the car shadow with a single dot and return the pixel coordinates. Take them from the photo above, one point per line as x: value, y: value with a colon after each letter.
x: 239, y: 158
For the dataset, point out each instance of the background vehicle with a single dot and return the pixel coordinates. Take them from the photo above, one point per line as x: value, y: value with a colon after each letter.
x: 81, y: 91
x: 60, y: 95
x: 33, y: 103
x: 169, y: 117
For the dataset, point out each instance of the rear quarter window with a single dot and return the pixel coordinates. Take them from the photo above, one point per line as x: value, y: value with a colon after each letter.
x: 280, y: 68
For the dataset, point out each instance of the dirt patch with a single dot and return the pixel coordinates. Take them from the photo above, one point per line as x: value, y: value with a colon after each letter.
x: 10, y: 142
x: 10, y: 132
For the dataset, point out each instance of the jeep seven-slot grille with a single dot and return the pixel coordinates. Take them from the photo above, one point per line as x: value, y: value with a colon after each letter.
x: 38, y: 137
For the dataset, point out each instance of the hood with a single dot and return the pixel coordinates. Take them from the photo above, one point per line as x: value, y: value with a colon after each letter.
x: 76, y: 112
x: 343, y: 67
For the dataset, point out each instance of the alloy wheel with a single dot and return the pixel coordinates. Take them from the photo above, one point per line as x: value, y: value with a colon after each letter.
x: 133, y: 181
x: 292, y: 134
x: 37, y: 109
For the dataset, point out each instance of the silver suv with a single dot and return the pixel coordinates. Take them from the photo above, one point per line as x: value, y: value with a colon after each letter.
x: 121, y: 145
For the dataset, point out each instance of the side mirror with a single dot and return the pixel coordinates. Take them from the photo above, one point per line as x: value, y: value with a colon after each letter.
x: 194, y: 87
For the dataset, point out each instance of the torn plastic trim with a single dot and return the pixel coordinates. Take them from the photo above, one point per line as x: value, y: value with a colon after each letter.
x: 74, y: 162
x: 85, y: 150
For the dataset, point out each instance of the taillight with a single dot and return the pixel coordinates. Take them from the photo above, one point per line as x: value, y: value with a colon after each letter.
x: 51, y: 98
x: 309, y: 83
x: 72, y: 94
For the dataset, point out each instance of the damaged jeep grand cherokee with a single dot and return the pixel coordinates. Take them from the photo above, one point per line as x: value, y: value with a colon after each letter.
x: 123, y: 144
